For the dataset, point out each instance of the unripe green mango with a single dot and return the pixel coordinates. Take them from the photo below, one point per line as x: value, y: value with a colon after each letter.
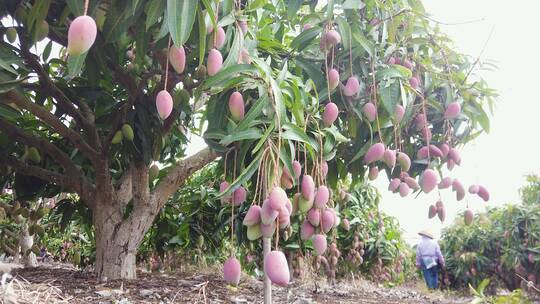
x: 127, y: 132
x: 11, y: 34
x: 153, y: 172
x: 42, y: 30
x: 117, y: 138
x: 254, y: 232
x: 33, y: 155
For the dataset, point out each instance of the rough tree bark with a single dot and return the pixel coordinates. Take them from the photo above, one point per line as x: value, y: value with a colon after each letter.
x: 119, y: 234
x: 26, y: 241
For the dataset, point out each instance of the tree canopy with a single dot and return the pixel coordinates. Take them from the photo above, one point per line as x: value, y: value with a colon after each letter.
x: 89, y: 123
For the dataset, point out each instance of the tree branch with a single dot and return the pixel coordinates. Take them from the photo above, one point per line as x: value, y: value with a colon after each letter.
x: 124, y: 187
x: 178, y: 175
x: 51, y: 120
x: 87, y: 123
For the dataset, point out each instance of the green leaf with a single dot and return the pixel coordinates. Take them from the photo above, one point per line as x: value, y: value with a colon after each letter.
x: 353, y: 4
x: 244, y: 177
x: 154, y: 9
x: 253, y: 113
x: 234, y: 52
x: 292, y: 7
x: 365, y: 43
x: 47, y: 51
x: 301, y: 41
x: 293, y: 132
x: 202, y: 35
x: 6, y: 66
x: 390, y: 96
x: 75, y: 64
x: 226, y: 74
x: 393, y: 71
x: 76, y: 7
x: 181, y: 16
x: 252, y: 133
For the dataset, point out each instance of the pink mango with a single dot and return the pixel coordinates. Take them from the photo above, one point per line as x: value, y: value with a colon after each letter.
x: 327, y: 220
x: 394, y: 184
x: 374, y: 153
x: 454, y: 155
x: 420, y: 121
x: 284, y: 217
x: 81, y: 35
x: 307, y: 187
x: 332, y: 37
x: 483, y: 193
x: 307, y: 26
x: 429, y: 181
x: 289, y: 206
x: 244, y: 56
x: 324, y: 168
x: 239, y: 196
x: 473, y: 189
x: 468, y: 216
x: 314, y: 217
x: 333, y: 79
x: 399, y: 113
x: 164, y: 104
x: 346, y: 224
x: 389, y: 158
x: 277, y: 198
x: 215, y: 62
x: 177, y: 58
x: 404, y: 189
x: 222, y: 187
x: 411, y: 182
x: 319, y: 244
x: 268, y: 214
x: 352, y: 87
x: 253, y: 216
x: 232, y: 271
x: 297, y: 169
x: 391, y: 60
x: 370, y: 111
x: 426, y: 133
x: 373, y: 173
x: 220, y: 38
x: 450, y: 164
x: 286, y: 179
x: 434, y: 151
x: 445, y: 183
x: 444, y: 149
x: 404, y: 161
x: 322, y: 196
x: 276, y: 268
x: 452, y: 111
x: 243, y: 26
x: 406, y: 63
x: 330, y: 114
x: 268, y: 230
x: 458, y: 188
x: 422, y: 153
x: 236, y: 106
x: 414, y: 82
x: 306, y: 230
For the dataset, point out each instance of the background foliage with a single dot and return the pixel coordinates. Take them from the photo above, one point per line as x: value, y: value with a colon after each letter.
x: 502, y: 242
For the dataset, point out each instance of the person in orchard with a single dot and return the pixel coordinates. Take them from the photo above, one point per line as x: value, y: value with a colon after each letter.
x: 429, y: 258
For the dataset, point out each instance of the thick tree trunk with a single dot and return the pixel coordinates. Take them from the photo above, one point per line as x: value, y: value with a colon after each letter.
x: 117, y: 240
x: 26, y: 241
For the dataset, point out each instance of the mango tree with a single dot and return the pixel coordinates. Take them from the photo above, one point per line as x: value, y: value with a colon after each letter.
x: 288, y: 91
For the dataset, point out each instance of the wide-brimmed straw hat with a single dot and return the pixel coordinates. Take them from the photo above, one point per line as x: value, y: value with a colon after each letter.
x: 426, y: 233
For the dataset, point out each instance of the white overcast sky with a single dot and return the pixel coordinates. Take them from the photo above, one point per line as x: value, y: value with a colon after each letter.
x: 499, y: 160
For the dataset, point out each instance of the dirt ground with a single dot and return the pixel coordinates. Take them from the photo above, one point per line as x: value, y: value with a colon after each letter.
x: 58, y: 283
